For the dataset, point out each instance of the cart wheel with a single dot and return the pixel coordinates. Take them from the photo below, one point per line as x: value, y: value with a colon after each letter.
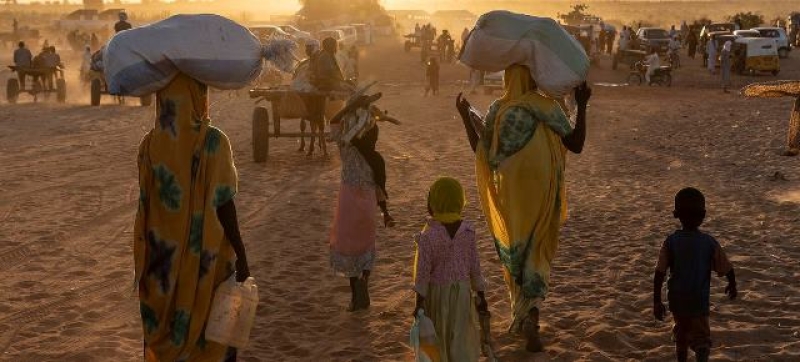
x: 12, y: 90
x: 260, y: 134
x: 667, y: 80
x: 61, y: 90
x: 635, y: 79
x: 146, y: 101
x: 96, y: 87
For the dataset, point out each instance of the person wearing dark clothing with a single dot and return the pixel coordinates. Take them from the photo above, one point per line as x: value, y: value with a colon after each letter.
x: 442, y: 44
x: 22, y: 59
x: 123, y: 23
x: 610, y: 41
x: 601, y: 38
x: 690, y: 256
x: 691, y: 42
x: 432, y: 76
x: 51, y: 61
x: 312, y: 49
x: 326, y: 77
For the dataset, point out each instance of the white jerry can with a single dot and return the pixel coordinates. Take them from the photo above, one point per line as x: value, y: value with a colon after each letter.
x: 233, y: 313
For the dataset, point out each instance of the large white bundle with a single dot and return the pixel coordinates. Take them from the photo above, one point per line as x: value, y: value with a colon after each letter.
x: 500, y: 39
x: 210, y: 48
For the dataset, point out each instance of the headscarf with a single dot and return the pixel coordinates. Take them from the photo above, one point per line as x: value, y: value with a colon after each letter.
x: 519, y: 87
x: 446, y: 200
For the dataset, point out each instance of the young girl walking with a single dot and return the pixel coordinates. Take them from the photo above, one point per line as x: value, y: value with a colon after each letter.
x: 447, y: 270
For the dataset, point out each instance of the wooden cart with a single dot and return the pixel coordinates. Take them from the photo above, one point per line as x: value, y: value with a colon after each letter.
x: 34, y: 85
x: 285, y: 104
x: 97, y: 84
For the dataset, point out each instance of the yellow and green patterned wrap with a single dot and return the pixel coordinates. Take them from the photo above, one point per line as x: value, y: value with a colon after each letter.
x: 520, y: 177
x: 181, y: 254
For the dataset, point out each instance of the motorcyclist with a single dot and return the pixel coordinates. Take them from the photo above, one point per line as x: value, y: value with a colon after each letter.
x: 674, y: 48
x: 653, y: 63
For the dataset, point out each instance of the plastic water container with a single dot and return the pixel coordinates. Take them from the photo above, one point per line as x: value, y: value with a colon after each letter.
x: 423, y: 339
x: 233, y: 313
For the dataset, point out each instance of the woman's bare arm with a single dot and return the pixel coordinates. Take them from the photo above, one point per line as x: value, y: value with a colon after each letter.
x: 230, y: 223
x: 575, y: 140
x: 463, y: 107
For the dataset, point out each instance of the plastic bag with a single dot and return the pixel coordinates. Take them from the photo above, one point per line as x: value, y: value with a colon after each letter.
x: 500, y: 39
x: 233, y: 313
x: 423, y: 339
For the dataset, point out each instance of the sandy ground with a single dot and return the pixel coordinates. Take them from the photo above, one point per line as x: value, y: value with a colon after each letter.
x: 68, y: 196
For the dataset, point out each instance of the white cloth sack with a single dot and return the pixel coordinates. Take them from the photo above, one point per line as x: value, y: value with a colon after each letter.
x: 500, y: 39
x: 209, y: 48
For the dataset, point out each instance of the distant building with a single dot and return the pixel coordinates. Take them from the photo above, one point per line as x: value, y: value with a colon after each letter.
x: 93, y: 4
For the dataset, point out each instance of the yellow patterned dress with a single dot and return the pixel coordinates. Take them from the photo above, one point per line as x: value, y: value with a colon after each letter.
x: 520, y: 175
x: 181, y: 254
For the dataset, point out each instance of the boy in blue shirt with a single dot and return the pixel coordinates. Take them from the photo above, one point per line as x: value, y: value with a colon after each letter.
x: 691, y: 256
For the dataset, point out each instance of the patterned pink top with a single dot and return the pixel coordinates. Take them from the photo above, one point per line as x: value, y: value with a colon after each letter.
x: 442, y: 260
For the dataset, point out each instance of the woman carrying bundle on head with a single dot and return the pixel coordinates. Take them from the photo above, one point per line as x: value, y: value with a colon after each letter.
x: 520, y: 151
x: 187, y: 238
x: 361, y: 192
x: 186, y: 235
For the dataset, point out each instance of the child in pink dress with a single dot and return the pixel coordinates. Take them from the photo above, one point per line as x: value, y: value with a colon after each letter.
x: 447, y: 271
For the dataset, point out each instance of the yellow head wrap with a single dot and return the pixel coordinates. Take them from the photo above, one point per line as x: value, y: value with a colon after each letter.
x: 446, y: 200
x: 519, y: 89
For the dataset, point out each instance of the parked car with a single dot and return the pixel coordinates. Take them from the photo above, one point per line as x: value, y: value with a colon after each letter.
x: 336, y: 34
x: 721, y: 38
x: 350, y: 35
x: 781, y: 39
x: 296, y: 33
x: 753, y: 55
x: 266, y: 32
x: 492, y: 82
x: 364, y: 32
x: 653, y: 38
x: 747, y: 33
x: 718, y: 28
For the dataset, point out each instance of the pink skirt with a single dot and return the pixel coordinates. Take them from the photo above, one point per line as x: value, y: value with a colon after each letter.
x: 352, y: 238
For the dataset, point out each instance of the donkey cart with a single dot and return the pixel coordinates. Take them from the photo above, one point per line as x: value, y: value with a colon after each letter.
x: 285, y: 104
x: 38, y: 85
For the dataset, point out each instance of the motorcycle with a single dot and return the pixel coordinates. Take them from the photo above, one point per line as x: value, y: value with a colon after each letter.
x: 674, y: 58
x: 661, y: 76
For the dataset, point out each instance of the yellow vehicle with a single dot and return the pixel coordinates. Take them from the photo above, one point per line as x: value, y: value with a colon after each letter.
x: 752, y: 55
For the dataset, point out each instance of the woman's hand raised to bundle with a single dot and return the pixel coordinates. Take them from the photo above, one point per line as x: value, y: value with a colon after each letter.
x: 463, y: 107
x: 575, y: 140
x: 582, y: 95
